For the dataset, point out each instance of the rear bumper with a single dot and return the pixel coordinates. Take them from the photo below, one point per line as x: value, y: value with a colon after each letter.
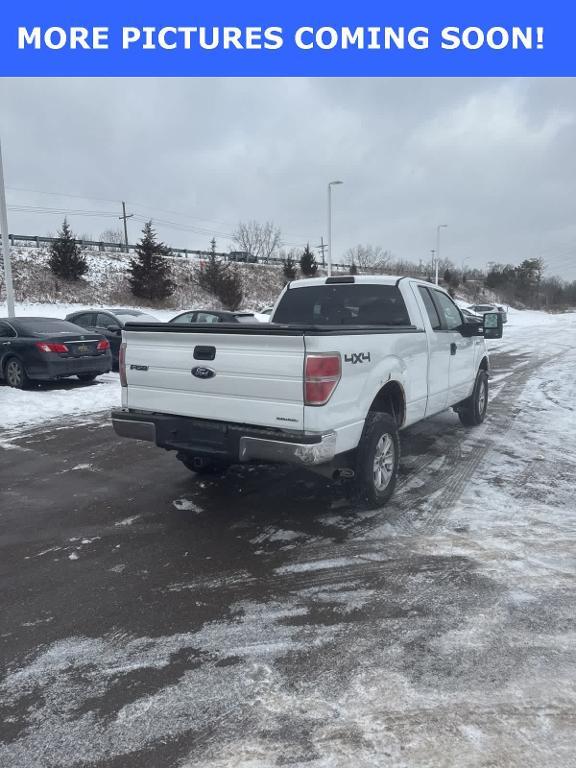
x: 69, y: 366
x: 231, y: 442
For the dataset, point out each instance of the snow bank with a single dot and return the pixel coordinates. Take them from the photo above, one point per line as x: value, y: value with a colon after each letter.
x: 20, y: 409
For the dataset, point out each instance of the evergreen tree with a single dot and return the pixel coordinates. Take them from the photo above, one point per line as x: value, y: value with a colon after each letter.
x: 149, y: 273
x: 353, y: 269
x: 230, y: 291
x: 67, y: 259
x: 308, y: 265
x: 220, y: 280
x: 211, y: 272
x: 289, y: 269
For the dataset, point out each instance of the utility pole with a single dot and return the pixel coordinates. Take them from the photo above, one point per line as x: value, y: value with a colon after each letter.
x: 322, y: 247
x: 125, y: 216
x: 5, y: 243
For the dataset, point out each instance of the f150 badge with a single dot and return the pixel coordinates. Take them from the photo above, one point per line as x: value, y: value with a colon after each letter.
x: 357, y: 357
x: 203, y: 373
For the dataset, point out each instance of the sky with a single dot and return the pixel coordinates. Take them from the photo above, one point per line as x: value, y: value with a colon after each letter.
x: 493, y: 159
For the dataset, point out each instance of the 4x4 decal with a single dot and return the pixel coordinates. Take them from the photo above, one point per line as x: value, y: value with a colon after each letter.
x: 357, y: 357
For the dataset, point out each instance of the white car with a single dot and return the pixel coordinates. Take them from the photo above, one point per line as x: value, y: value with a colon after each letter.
x: 346, y: 363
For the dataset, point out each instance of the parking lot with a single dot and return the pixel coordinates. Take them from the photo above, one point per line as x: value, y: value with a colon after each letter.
x: 153, y: 618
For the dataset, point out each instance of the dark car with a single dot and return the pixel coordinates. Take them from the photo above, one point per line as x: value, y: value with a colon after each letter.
x: 109, y: 323
x: 470, y: 317
x: 482, y: 309
x: 47, y: 349
x: 213, y: 316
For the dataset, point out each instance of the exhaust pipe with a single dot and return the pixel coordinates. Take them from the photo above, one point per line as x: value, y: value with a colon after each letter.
x: 343, y: 473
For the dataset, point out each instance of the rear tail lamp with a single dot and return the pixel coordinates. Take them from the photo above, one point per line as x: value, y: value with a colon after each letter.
x: 50, y: 346
x: 321, y: 376
x: 122, y: 364
x: 103, y: 344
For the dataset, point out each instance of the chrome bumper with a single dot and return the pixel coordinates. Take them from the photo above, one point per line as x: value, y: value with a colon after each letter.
x: 262, y: 449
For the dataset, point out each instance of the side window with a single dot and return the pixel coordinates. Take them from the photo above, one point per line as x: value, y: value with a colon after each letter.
x: 103, y: 320
x: 184, y: 319
x: 84, y: 321
x: 430, y: 308
x: 205, y: 317
x: 6, y: 332
x: 449, y: 312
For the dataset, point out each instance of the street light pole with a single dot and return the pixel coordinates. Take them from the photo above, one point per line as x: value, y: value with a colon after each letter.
x: 329, y: 248
x: 5, y: 243
x: 438, y: 228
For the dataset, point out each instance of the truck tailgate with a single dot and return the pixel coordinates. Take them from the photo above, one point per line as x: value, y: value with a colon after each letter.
x: 252, y: 379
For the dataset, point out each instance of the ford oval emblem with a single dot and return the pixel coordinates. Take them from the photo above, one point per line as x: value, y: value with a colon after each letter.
x: 203, y: 373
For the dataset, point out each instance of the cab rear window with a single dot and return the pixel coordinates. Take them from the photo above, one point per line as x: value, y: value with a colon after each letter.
x: 344, y: 304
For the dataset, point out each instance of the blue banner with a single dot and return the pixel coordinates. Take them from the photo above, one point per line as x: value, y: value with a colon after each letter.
x: 257, y: 38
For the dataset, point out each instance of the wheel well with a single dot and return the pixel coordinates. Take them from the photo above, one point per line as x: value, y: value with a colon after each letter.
x: 484, y: 364
x: 391, y: 400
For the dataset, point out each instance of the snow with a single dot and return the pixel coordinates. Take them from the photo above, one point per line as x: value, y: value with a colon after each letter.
x: 27, y: 408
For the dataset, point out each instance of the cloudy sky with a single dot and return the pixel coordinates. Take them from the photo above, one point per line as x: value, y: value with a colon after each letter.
x: 493, y: 159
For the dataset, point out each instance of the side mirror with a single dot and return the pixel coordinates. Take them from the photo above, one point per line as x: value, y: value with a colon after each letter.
x: 471, y: 328
x: 493, y: 325
x: 113, y: 329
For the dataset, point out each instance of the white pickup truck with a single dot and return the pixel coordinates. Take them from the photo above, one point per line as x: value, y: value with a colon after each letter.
x: 344, y: 365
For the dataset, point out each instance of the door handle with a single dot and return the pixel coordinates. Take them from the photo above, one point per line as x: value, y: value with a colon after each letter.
x: 453, y: 348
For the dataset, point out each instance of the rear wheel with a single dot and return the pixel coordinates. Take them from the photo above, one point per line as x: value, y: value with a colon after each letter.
x: 377, y: 460
x: 87, y: 376
x: 472, y: 411
x: 202, y: 465
x: 15, y: 374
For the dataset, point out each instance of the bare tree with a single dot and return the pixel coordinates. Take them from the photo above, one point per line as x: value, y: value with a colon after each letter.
x: 112, y: 236
x: 260, y: 240
x: 367, y: 256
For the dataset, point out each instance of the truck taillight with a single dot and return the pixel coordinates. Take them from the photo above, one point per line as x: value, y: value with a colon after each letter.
x: 49, y: 346
x: 103, y: 344
x: 322, y: 373
x: 122, y: 364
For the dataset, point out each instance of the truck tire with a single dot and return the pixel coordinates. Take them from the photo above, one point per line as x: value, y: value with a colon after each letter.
x: 87, y: 377
x: 377, y: 460
x: 472, y: 411
x: 201, y: 465
x: 15, y: 374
